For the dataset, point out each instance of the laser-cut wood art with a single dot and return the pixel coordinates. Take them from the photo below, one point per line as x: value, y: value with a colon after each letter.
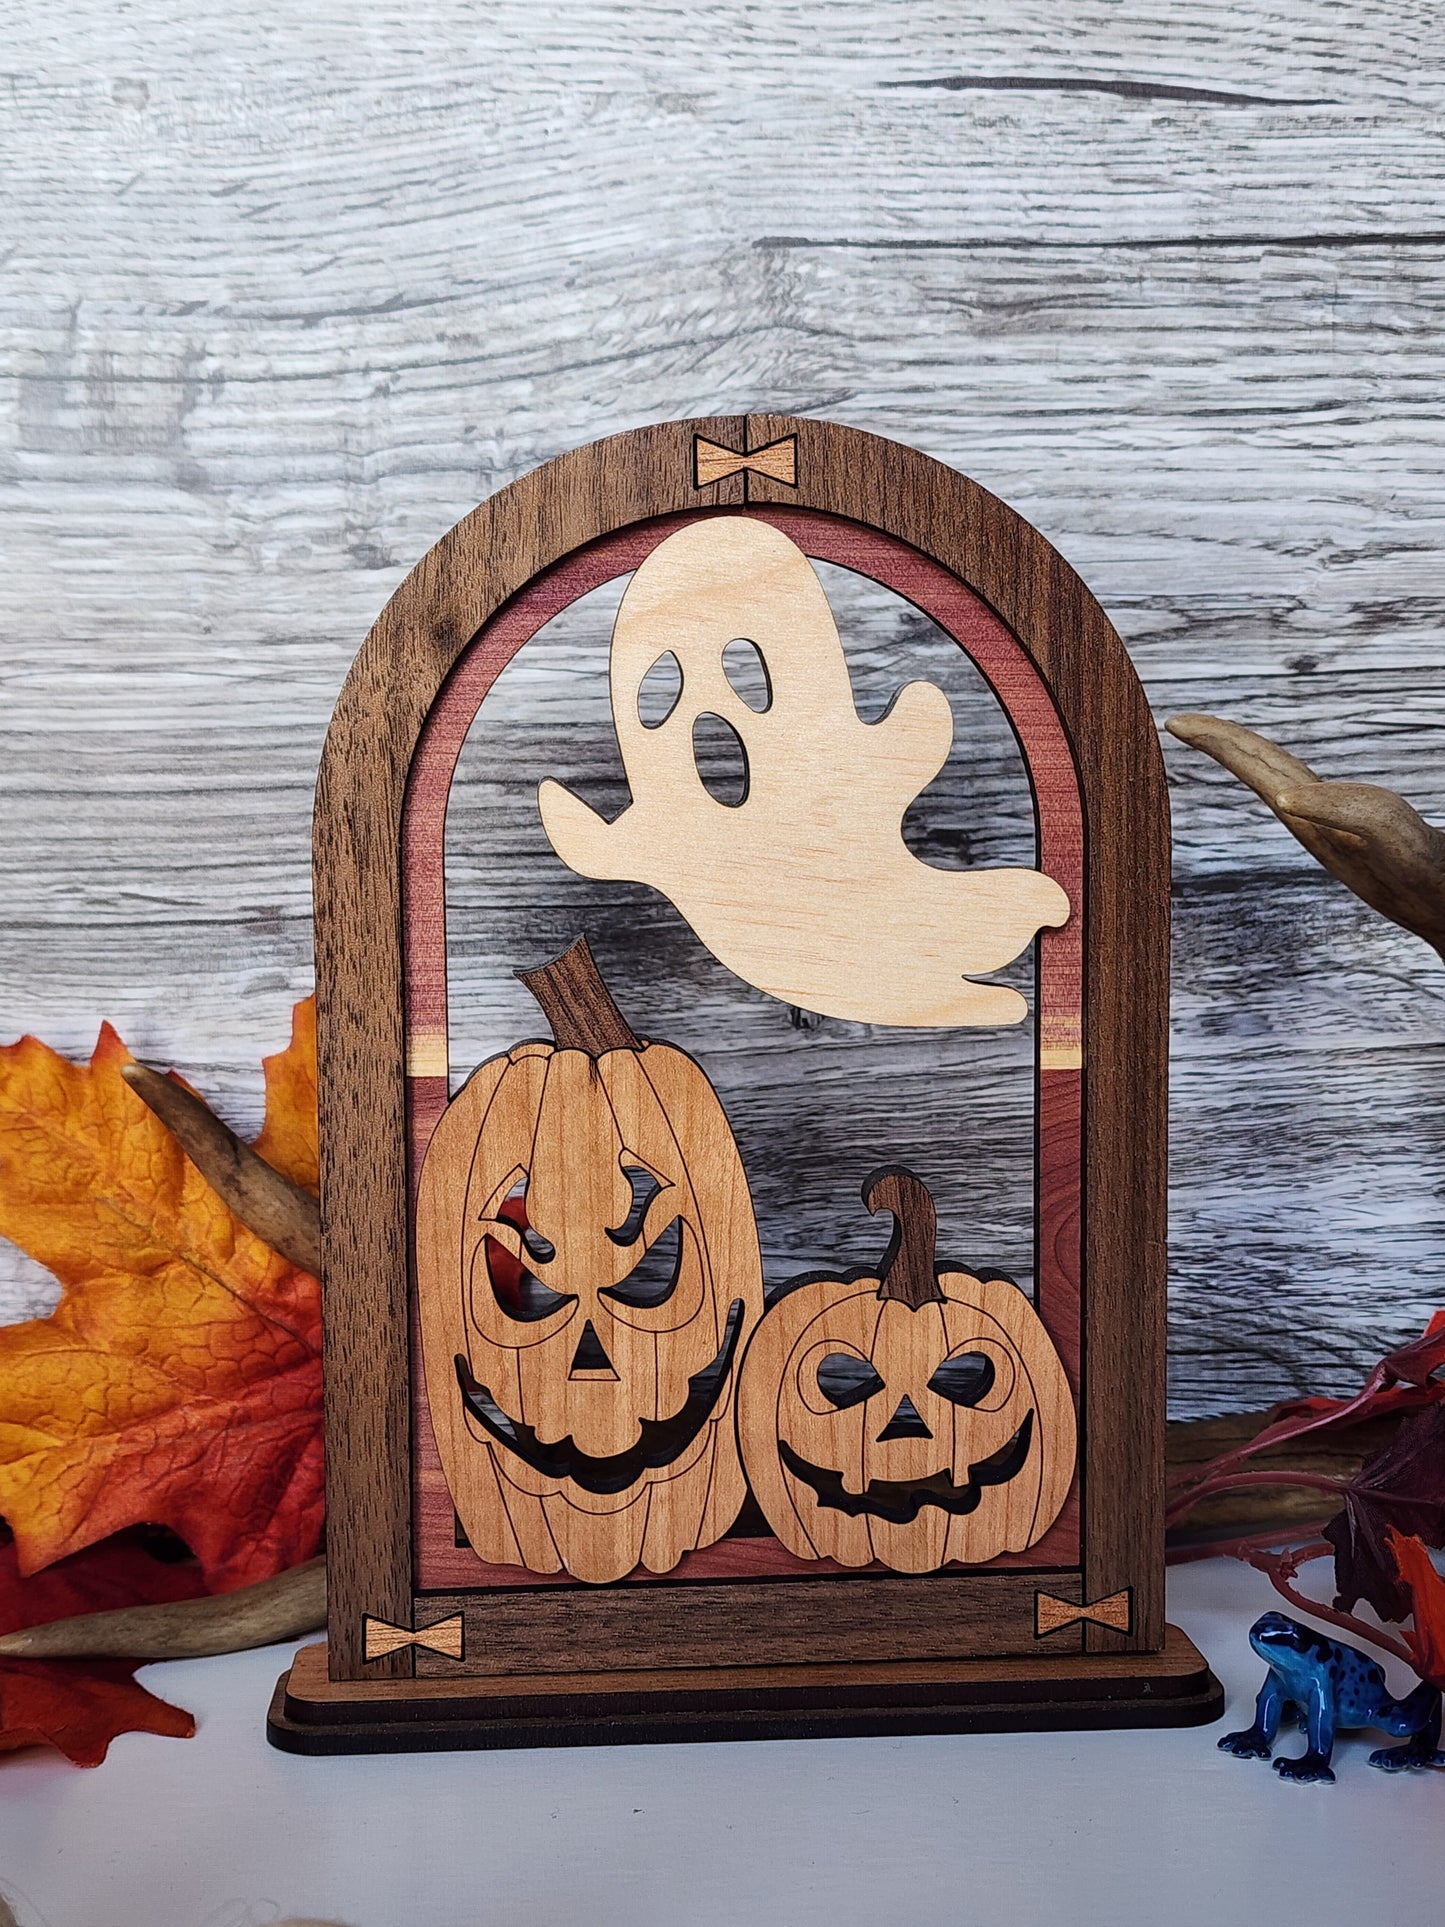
x: 581, y: 1349
x: 579, y: 1434
x: 912, y: 1416
x: 806, y: 889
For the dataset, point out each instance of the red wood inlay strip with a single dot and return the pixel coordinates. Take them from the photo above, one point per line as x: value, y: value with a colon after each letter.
x: 429, y: 782
x: 1016, y: 680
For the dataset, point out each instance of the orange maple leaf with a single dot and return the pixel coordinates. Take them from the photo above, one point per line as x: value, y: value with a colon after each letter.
x: 288, y: 1139
x: 178, y: 1382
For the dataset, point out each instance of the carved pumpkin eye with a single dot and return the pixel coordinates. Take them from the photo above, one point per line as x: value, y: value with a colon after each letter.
x: 964, y: 1380
x: 844, y: 1380
x: 645, y: 1188
x: 653, y: 1279
x: 521, y: 1293
x: 537, y: 1246
x: 518, y: 1291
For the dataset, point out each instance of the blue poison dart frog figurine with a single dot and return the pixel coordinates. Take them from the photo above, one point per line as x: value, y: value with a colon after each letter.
x: 1330, y: 1686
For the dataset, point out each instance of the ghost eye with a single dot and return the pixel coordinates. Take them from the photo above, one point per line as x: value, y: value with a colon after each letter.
x: 746, y: 669
x: 645, y: 1188
x: 659, y: 690
x: 846, y: 1380
x: 653, y: 1279
x: 964, y: 1380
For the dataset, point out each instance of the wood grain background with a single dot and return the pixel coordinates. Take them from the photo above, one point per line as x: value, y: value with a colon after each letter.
x: 286, y: 291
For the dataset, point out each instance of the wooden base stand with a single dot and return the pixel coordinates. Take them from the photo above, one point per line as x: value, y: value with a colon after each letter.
x: 311, y: 1714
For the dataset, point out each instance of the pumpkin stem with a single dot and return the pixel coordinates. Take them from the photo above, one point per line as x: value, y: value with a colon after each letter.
x: 907, y: 1271
x: 578, y: 1005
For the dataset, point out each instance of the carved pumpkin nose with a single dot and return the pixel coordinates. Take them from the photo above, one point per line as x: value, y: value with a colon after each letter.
x: 590, y: 1360
x: 906, y: 1423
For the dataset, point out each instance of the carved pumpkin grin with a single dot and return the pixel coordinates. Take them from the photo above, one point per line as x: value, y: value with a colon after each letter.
x: 662, y: 1441
x: 900, y: 1501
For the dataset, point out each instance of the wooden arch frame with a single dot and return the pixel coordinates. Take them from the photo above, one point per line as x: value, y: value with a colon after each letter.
x: 474, y: 572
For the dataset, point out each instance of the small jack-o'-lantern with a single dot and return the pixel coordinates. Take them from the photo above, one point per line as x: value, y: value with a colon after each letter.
x: 914, y: 1416
x: 587, y: 1274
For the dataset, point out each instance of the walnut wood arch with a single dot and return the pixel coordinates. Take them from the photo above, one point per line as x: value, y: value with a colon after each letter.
x: 475, y: 569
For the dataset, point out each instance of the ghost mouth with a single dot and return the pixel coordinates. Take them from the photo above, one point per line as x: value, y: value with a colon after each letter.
x: 662, y: 1441
x: 899, y: 1501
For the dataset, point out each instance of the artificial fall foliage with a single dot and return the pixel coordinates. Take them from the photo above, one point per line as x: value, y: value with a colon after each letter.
x: 288, y: 1139
x: 1426, y: 1591
x: 178, y: 1382
x: 1393, y: 1508
x: 81, y: 1705
x: 1401, y: 1488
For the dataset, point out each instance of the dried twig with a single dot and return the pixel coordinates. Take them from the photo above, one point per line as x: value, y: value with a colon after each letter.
x: 1281, y: 1567
x: 278, y: 1211
x: 1370, y: 838
x: 285, y: 1607
x: 1220, y: 1490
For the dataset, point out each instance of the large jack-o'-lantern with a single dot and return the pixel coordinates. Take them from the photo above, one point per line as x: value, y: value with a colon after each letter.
x: 588, y: 1273
x: 913, y: 1416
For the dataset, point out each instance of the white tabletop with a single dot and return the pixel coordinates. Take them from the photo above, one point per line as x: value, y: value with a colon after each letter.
x: 1063, y: 1830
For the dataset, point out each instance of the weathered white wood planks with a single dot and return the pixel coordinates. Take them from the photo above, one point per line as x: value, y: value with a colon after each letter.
x: 285, y: 293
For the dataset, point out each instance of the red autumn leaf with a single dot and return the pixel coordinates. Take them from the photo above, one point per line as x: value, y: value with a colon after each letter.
x: 178, y: 1382
x: 1426, y: 1590
x: 1417, y: 1362
x: 1400, y: 1488
x: 1403, y: 1381
x: 80, y: 1705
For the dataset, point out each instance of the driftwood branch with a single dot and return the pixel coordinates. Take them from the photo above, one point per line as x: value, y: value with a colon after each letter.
x: 280, y: 1213
x: 1370, y: 838
x: 285, y: 1607
x: 294, y: 1603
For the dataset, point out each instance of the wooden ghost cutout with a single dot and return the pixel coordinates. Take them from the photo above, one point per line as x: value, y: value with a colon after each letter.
x: 806, y: 889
